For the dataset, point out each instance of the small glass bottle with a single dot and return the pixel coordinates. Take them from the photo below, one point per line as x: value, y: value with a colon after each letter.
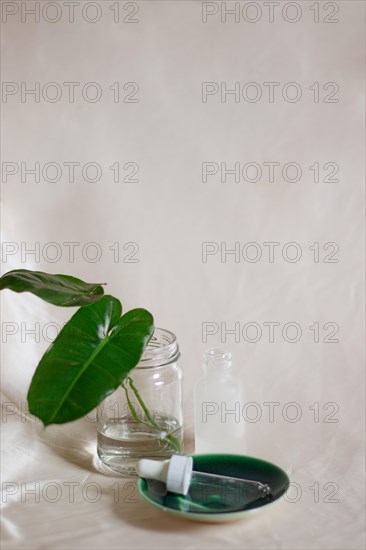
x: 144, y: 417
x: 218, y: 402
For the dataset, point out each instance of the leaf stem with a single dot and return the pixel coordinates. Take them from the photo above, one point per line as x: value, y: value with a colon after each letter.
x: 131, y: 407
x: 169, y: 440
x: 140, y: 400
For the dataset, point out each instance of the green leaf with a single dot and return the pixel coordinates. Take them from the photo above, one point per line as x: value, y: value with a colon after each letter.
x: 89, y: 359
x: 60, y: 290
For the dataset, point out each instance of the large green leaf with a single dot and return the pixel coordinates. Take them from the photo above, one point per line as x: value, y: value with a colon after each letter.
x: 89, y: 359
x: 60, y: 290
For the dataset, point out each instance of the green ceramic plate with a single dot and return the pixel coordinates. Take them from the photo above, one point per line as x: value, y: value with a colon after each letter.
x: 211, y: 506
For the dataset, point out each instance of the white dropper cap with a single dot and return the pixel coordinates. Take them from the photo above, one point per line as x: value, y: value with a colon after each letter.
x: 176, y: 473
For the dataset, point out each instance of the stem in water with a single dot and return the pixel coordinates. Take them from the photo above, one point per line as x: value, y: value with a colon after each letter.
x: 169, y: 440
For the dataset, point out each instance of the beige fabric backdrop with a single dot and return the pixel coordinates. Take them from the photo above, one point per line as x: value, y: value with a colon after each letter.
x: 160, y: 131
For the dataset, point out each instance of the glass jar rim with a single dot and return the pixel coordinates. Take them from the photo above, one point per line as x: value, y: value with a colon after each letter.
x: 161, y: 350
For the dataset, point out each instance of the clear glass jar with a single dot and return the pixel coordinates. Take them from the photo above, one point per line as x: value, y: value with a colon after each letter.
x: 144, y: 417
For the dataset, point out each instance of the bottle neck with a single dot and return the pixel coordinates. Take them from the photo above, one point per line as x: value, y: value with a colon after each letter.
x: 216, y: 360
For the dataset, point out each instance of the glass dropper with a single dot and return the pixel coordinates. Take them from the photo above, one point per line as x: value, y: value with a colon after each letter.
x: 204, y: 491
